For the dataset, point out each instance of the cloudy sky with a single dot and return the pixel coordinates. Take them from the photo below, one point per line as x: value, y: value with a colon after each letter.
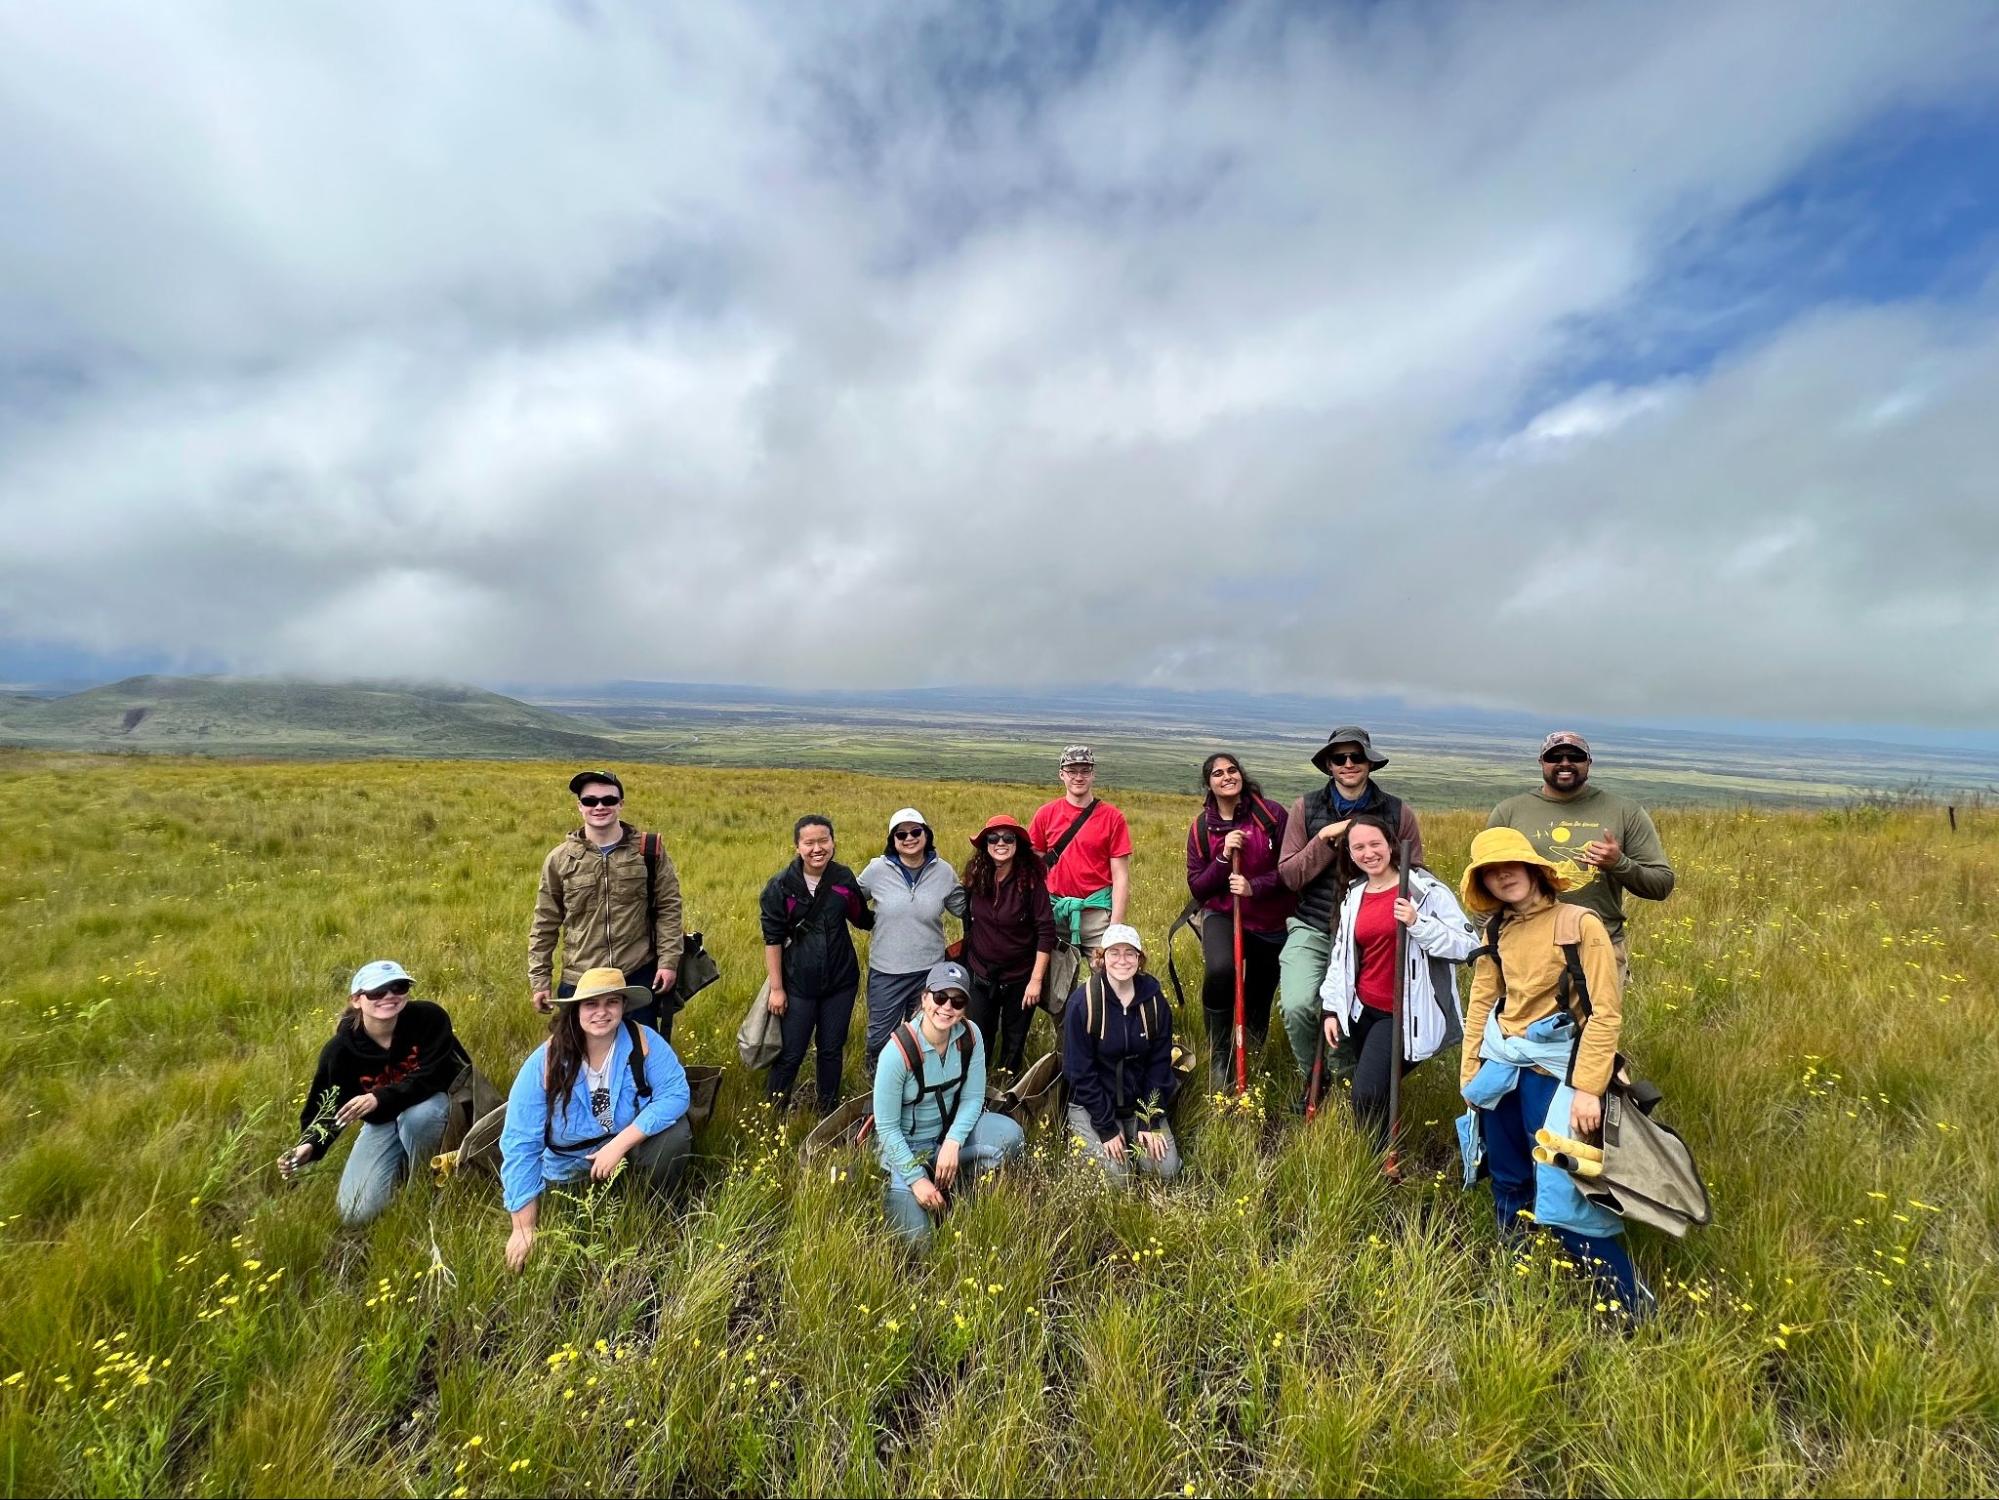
x: 1634, y: 360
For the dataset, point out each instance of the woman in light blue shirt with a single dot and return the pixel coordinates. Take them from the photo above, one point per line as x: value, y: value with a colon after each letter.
x: 599, y: 1091
x: 932, y: 1127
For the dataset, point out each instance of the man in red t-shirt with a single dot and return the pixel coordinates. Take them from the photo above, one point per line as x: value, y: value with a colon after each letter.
x: 1091, y: 879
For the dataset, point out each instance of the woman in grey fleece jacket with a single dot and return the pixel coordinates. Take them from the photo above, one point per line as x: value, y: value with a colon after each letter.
x: 911, y: 889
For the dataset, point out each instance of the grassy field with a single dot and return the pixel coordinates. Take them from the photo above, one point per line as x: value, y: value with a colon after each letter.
x: 1817, y: 1001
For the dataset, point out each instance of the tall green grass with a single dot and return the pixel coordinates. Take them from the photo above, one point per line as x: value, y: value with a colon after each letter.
x: 1816, y: 999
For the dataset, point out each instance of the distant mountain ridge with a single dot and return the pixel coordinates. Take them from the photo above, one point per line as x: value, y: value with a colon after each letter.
x: 246, y: 715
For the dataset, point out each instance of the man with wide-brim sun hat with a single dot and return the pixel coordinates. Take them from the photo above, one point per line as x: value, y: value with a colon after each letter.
x: 1009, y: 937
x: 602, y: 1091
x: 1544, y: 1060
x: 1312, y: 861
x: 912, y: 889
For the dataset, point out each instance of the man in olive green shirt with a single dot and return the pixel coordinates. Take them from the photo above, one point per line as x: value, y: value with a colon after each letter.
x: 1605, y: 844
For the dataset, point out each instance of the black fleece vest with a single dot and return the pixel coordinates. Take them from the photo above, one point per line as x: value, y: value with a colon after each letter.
x: 1320, y: 899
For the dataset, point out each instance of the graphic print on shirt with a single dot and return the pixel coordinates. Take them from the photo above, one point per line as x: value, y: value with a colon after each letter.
x: 392, y: 1073
x: 1564, y: 845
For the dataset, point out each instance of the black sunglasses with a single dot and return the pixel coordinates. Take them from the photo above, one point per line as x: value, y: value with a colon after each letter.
x: 950, y: 999
x: 1341, y: 758
x: 1565, y: 758
x: 1001, y: 838
x: 393, y: 987
x: 909, y: 833
x: 600, y: 801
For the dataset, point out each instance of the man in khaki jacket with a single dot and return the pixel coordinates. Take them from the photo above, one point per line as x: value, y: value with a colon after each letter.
x: 594, y: 893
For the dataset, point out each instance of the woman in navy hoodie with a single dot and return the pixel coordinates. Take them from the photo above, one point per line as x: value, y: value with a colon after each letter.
x: 1117, y: 1053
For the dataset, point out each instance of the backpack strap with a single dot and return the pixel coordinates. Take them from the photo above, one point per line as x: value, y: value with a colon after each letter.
x: 1490, y: 949
x: 1061, y: 846
x: 907, y: 1043
x: 1265, y: 819
x: 641, y: 1050
x: 649, y: 846
x: 1572, y: 989
x: 1186, y: 919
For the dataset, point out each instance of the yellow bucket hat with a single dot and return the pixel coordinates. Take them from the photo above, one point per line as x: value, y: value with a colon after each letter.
x: 1502, y: 846
x: 606, y: 982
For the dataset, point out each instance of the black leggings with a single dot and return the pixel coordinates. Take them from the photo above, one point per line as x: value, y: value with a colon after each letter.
x: 1002, y: 1023
x: 829, y: 1015
x: 1259, y: 983
x: 1373, y: 1039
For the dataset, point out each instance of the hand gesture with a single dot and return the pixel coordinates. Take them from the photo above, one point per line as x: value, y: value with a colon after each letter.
x: 1332, y: 831
x: 358, y: 1108
x: 1603, y: 852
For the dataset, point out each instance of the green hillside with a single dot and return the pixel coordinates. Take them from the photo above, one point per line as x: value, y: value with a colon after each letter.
x: 225, y: 715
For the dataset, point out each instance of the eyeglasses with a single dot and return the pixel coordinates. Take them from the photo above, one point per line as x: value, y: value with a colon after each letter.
x: 950, y: 999
x: 393, y: 987
x: 994, y: 839
x: 906, y: 834
x: 1565, y: 758
x: 1344, y: 758
x: 600, y: 801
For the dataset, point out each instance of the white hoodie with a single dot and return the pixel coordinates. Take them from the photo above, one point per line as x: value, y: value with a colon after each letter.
x: 1442, y: 938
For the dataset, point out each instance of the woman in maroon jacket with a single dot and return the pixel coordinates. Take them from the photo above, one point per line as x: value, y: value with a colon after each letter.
x: 1239, y: 823
x: 1009, y: 936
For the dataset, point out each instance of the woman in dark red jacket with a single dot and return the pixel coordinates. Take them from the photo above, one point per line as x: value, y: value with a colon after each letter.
x: 1239, y: 823
x: 1009, y: 935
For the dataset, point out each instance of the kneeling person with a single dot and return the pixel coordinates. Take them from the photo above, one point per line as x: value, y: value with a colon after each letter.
x: 388, y: 1066
x: 600, y: 1090
x: 930, y: 1102
x: 1117, y: 1054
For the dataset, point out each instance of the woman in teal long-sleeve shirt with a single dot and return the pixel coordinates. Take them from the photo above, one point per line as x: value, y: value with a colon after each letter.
x: 583, y: 1103
x: 931, y: 1122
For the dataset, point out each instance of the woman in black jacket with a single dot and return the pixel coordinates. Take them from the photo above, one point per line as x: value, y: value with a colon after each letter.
x: 389, y: 1066
x: 809, y: 957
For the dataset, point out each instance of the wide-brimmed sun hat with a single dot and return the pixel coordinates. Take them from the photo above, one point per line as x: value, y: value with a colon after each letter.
x: 1502, y: 846
x: 597, y: 982
x: 998, y: 820
x: 1349, y: 734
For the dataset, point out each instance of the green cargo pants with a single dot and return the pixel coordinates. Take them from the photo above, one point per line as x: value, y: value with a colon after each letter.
x: 1301, y: 969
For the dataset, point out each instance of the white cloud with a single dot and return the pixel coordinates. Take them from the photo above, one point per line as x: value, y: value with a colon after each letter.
x: 882, y: 344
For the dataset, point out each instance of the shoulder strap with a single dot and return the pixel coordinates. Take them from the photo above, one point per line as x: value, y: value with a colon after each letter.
x: 1491, y: 950
x: 1207, y: 837
x: 641, y: 1050
x: 911, y: 1050
x: 1186, y: 919
x: 1054, y: 856
x: 1265, y: 819
x: 649, y: 851
x: 1573, y: 993
x: 1093, y: 1006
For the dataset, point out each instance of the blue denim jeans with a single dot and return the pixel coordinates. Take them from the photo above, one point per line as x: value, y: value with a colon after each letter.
x: 994, y: 1141
x: 1509, y: 1157
x: 382, y: 1155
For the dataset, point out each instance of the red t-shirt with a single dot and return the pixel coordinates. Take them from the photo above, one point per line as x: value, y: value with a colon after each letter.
x: 1085, y: 866
x: 1374, y: 941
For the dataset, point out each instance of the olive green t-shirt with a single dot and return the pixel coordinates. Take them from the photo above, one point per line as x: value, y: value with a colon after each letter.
x: 1559, y: 830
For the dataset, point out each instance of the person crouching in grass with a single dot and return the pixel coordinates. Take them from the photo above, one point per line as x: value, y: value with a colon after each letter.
x: 388, y: 1066
x: 599, y: 1091
x: 930, y: 1106
x: 1118, y: 1057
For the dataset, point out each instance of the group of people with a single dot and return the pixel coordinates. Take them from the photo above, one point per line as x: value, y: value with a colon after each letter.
x: 1324, y: 889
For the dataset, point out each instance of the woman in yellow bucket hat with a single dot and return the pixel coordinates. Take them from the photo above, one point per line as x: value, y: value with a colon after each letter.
x: 1541, y: 1033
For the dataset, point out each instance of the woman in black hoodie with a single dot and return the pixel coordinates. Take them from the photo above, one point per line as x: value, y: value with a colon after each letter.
x: 809, y: 958
x: 389, y: 1065
x: 1117, y: 1054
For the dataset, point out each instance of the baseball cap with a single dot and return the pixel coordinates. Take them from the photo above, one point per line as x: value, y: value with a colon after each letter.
x: 372, y: 976
x: 583, y: 778
x: 1078, y: 755
x: 1566, y: 737
x: 1119, y: 932
x: 947, y: 976
x: 906, y: 815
